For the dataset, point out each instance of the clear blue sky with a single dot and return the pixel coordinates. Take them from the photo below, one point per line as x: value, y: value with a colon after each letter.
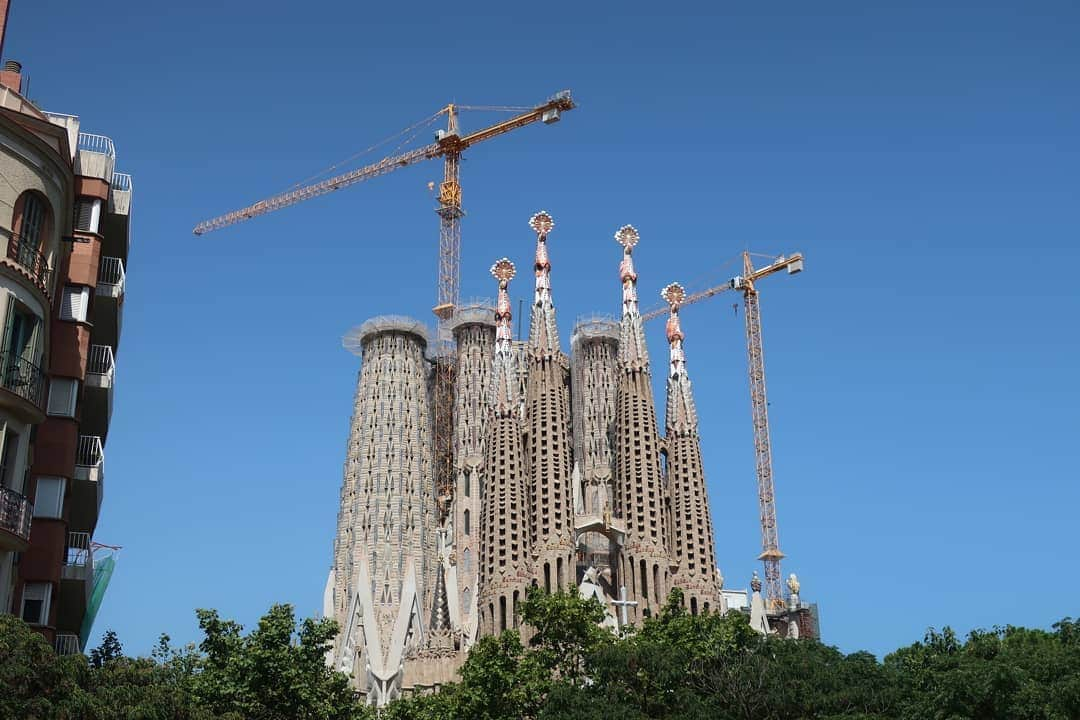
x: 922, y: 370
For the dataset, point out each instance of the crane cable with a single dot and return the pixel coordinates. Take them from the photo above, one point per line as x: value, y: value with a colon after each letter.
x: 417, y: 126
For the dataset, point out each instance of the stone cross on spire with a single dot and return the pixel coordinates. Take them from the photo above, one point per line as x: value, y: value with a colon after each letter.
x: 506, y: 384
x: 543, y: 334
x: 681, y: 411
x: 632, y: 350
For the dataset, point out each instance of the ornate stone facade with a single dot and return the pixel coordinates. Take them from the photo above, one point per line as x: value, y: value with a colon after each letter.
x: 560, y: 482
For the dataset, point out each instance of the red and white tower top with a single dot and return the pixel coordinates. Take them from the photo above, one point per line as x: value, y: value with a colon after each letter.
x: 632, y: 350
x: 506, y: 400
x: 681, y: 411
x: 543, y: 333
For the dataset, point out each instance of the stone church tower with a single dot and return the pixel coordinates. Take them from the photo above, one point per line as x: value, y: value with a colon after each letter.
x: 561, y: 481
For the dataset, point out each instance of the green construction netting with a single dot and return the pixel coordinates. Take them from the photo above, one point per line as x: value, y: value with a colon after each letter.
x: 103, y: 571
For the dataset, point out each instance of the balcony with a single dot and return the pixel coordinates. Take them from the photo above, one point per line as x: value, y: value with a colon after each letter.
x: 76, y: 581
x: 67, y: 644
x: 96, y: 157
x: 16, y: 511
x: 25, y: 381
x: 111, y: 278
x: 109, y: 307
x: 87, y: 489
x: 100, y: 367
x: 27, y: 256
x: 98, y: 399
x: 89, y: 458
x: 79, y: 560
x: 120, y: 197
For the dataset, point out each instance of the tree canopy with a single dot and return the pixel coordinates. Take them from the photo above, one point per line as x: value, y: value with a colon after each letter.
x: 563, y: 665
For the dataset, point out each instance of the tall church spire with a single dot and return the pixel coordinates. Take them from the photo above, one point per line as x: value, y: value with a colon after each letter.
x: 632, y: 350
x: 504, y: 560
x: 681, y: 412
x: 639, y: 483
x: 693, y: 552
x: 548, y: 443
x: 543, y: 334
x: 507, y: 398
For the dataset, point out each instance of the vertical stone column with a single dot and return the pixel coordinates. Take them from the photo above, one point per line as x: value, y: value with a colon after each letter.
x: 694, y: 546
x: 474, y: 334
x: 504, y: 559
x: 639, y: 494
x: 547, y: 413
x: 384, y: 550
x: 595, y: 363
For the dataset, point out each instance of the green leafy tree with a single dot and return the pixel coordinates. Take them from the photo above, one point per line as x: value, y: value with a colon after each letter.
x: 110, y: 649
x: 277, y: 672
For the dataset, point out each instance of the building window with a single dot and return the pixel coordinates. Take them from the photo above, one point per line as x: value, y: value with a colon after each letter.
x: 32, y: 221
x: 49, y: 498
x: 87, y: 214
x: 468, y: 526
x: 75, y: 303
x: 466, y: 560
x: 9, y: 456
x: 35, y: 603
x: 63, y: 393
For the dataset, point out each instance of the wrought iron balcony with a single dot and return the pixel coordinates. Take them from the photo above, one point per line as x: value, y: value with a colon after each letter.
x: 111, y: 277
x: 16, y: 512
x: 22, y: 377
x: 67, y: 644
x: 30, y: 258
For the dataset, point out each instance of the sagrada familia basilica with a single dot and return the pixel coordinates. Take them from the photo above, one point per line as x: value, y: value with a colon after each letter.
x: 561, y: 480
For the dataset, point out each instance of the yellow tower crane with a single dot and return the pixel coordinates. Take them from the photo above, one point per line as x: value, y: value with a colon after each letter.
x: 747, y: 283
x: 449, y: 145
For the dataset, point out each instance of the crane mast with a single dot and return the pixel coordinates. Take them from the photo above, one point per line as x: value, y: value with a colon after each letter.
x: 759, y: 404
x: 759, y: 408
x: 449, y: 145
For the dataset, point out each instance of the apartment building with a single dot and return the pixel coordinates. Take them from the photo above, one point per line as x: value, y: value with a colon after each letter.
x: 65, y: 221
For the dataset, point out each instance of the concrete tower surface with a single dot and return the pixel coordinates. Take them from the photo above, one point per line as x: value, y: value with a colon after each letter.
x: 692, y: 530
x: 639, y: 489
x: 547, y: 415
x: 504, y: 549
x: 385, y: 554
x: 474, y: 334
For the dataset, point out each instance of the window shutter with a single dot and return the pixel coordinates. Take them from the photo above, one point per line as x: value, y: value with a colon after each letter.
x: 87, y: 214
x: 63, y: 392
x: 9, y: 320
x: 73, y: 305
x: 82, y: 215
x: 35, y: 603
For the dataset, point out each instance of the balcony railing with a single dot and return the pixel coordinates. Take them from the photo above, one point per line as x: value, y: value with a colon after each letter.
x: 16, y: 511
x: 97, y: 144
x: 101, y: 361
x: 22, y: 377
x: 27, y: 254
x: 90, y: 453
x: 111, y: 275
x: 67, y: 644
x: 79, y: 553
x: 121, y: 182
x: 96, y: 157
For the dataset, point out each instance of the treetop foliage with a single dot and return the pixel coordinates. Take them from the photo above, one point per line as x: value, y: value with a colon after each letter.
x: 561, y: 664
